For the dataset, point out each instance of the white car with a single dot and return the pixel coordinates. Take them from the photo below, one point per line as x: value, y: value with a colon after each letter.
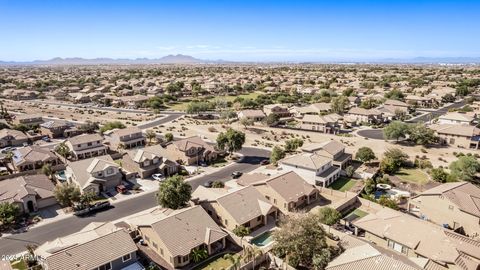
x: 158, y: 176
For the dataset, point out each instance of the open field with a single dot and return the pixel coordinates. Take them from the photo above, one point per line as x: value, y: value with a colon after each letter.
x: 182, y: 106
x: 413, y: 175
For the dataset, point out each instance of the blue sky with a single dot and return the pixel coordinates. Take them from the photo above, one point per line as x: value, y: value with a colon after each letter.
x: 239, y: 30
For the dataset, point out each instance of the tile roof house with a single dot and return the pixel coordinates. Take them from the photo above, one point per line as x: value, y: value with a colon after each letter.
x: 12, y: 137
x: 127, y: 138
x: 191, y: 151
x: 173, y: 234
x: 458, y: 135
x: 455, y: 118
x: 330, y: 149
x: 322, y: 123
x: 315, y: 169
x: 95, y: 175
x: 288, y: 192
x: 55, y: 128
x: 86, y: 146
x: 278, y: 109
x: 245, y: 206
x: 29, y: 192
x: 33, y: 158
x: 255, y: 115
x: 28, y: 119
x: 97, y: 246
x: 414, y: 237
x: 149, y: 160
x: 357, y: 115
x: 456, y: 205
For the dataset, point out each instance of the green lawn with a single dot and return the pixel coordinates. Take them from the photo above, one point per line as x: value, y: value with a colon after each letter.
x: 413, y: 176
x: 343, y: 184
x: 182, y: 106
x: 355, y: 214
x: 20, y: 265
x: 219, y: 163
x: 219, y: 263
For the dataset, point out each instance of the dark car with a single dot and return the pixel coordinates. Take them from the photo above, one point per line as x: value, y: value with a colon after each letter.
x: 236, y: 174
x: 265, y: 162
x: 208, y: 184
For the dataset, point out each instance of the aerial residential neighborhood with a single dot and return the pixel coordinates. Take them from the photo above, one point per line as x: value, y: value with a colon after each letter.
x: 239, y: 135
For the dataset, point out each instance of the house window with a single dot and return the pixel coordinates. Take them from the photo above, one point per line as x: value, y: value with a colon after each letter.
x: 268, y: 198
x: 185, y: 259
x: 110, y: 171
x: 106, y: 266
x: 161, y: 251
x: 126, y: 257
x: 259, y: 218
x: 89, y: 144
x: 226, y: 222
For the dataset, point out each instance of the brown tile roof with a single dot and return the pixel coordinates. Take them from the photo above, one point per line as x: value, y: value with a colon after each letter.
x: 14, y: 189
x: 95, y: 245
x: 290, y: 186
x: 306, y: 160
x: 32, y: 154
x: 85, y: 138
x: 195, y: 141
x: 459, y: 130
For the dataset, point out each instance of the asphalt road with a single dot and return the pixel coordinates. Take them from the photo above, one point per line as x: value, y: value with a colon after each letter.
x: 16, y: 243
x: 159, y: 121
x: 431, y: 115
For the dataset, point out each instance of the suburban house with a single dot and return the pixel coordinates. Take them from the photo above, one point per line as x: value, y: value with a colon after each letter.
x: 28, y: 120
x: 95, y: 175
x: 86, y: 146
x: 322, y: 123
x: 127, y: 138
x: 55, y: 128
x: 99, y: 246
x: 255, y: 115
x: 276, y: 109
x: 419, y: 101
x: 333, y: 150
x: 172, y: 235
x: 392, y: 109
x: 33, y: 158
x: 453, y: 205
x: 357, y: 115
x: 455, y: 118
x: 29, y: 192
x: 288, y: 192
x: 397, y: 104
x: 416, y: 238
x: 149, y: 160
x: 191, y: 151
x: 245, y: 206
x: 12, y: 137
x: 458, y: 135
x: 315, y: 108
x: 315, y: 169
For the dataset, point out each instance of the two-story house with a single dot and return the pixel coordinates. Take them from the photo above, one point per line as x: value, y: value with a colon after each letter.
x: 455, y: 118
x: 456, y: 205
x: 86, y: 146
x: 463, y: 136
x: 289, y: 192
x: 149, y: 160
x: 99, y: 246
x: 33, y: 158
x: 191, y: 151
x: 55, y: 128
x: 126, y: 138
x: 12, y: 137
x: 321, y: 123
x: 245, y: 206
x: 357, y: 115
x: 28, y: 120
x: 333, y: 150
x: 174, y: 234
x: 94, y: 175
x: 315, y: 169
x: 276, y: 109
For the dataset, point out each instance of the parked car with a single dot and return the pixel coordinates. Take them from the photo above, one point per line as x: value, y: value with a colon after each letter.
x: 7, y: 149
x: 46, y: 139
x: 121, y: 189
x: 236, y: 174
x: 208, y: 184
x: 265, y: 162
x: 158, y: 176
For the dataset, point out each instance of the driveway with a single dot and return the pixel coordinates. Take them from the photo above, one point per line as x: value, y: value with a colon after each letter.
x: 16, y: 243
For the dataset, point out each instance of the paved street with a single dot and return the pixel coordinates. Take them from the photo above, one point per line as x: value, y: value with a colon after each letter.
x: 38, y: 235
x: 431, y: 115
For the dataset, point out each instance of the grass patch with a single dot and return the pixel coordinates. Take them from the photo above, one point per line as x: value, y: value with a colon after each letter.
x: 182, y: 106
x: 355, y: 214
x: 219, y: 263
x: 219, y: 163
x: 413, y: 176
x: 343, y: 184
x: 20, y: 265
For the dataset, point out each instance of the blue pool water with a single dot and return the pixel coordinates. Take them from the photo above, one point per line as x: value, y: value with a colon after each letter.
x: 263, y: 239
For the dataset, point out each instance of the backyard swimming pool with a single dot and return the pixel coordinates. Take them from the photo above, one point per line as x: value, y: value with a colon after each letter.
x: 263, y: 239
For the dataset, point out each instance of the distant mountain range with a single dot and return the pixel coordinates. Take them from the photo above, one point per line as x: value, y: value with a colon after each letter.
x: 187, y: 59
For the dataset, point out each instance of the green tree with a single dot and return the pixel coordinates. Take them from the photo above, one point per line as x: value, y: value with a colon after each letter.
x: 329, y: 216
x: 439, y: 175
x: 395, y: 130
x: 421, y: 134
x: 241, y: 231
x: 464, y: 168
x: 236, y: 260
x: 370, y: 186
x: 394, y: 94
x: 271, y: 119
x: 293, y: 144
x: 230, y: 141
x: 387, y: 202
x: 393, y: 160
x: 199, y: 254
x: 66, y: 194
x: 218, y: 184
x: 277, y: 154
x: 174, y: 193
x: 350, y: 171
x: 339, y: 104
x: 88, y: 127
x: 47, y: 170
x: 87, y: 198
x: 365, y: 154
x: 62, y: 149
x: 150, y: 135
x: 299, y: 239
x: 168, y: 137
x: 8, y: 213
x: 246, y: 122
x: 112, y: 125
x: 155, y: 103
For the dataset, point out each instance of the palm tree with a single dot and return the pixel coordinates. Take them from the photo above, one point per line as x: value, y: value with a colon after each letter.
x: 234, y: 259
x: 199, y: 254
x: 62, y: 149
x: 47, y: 170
